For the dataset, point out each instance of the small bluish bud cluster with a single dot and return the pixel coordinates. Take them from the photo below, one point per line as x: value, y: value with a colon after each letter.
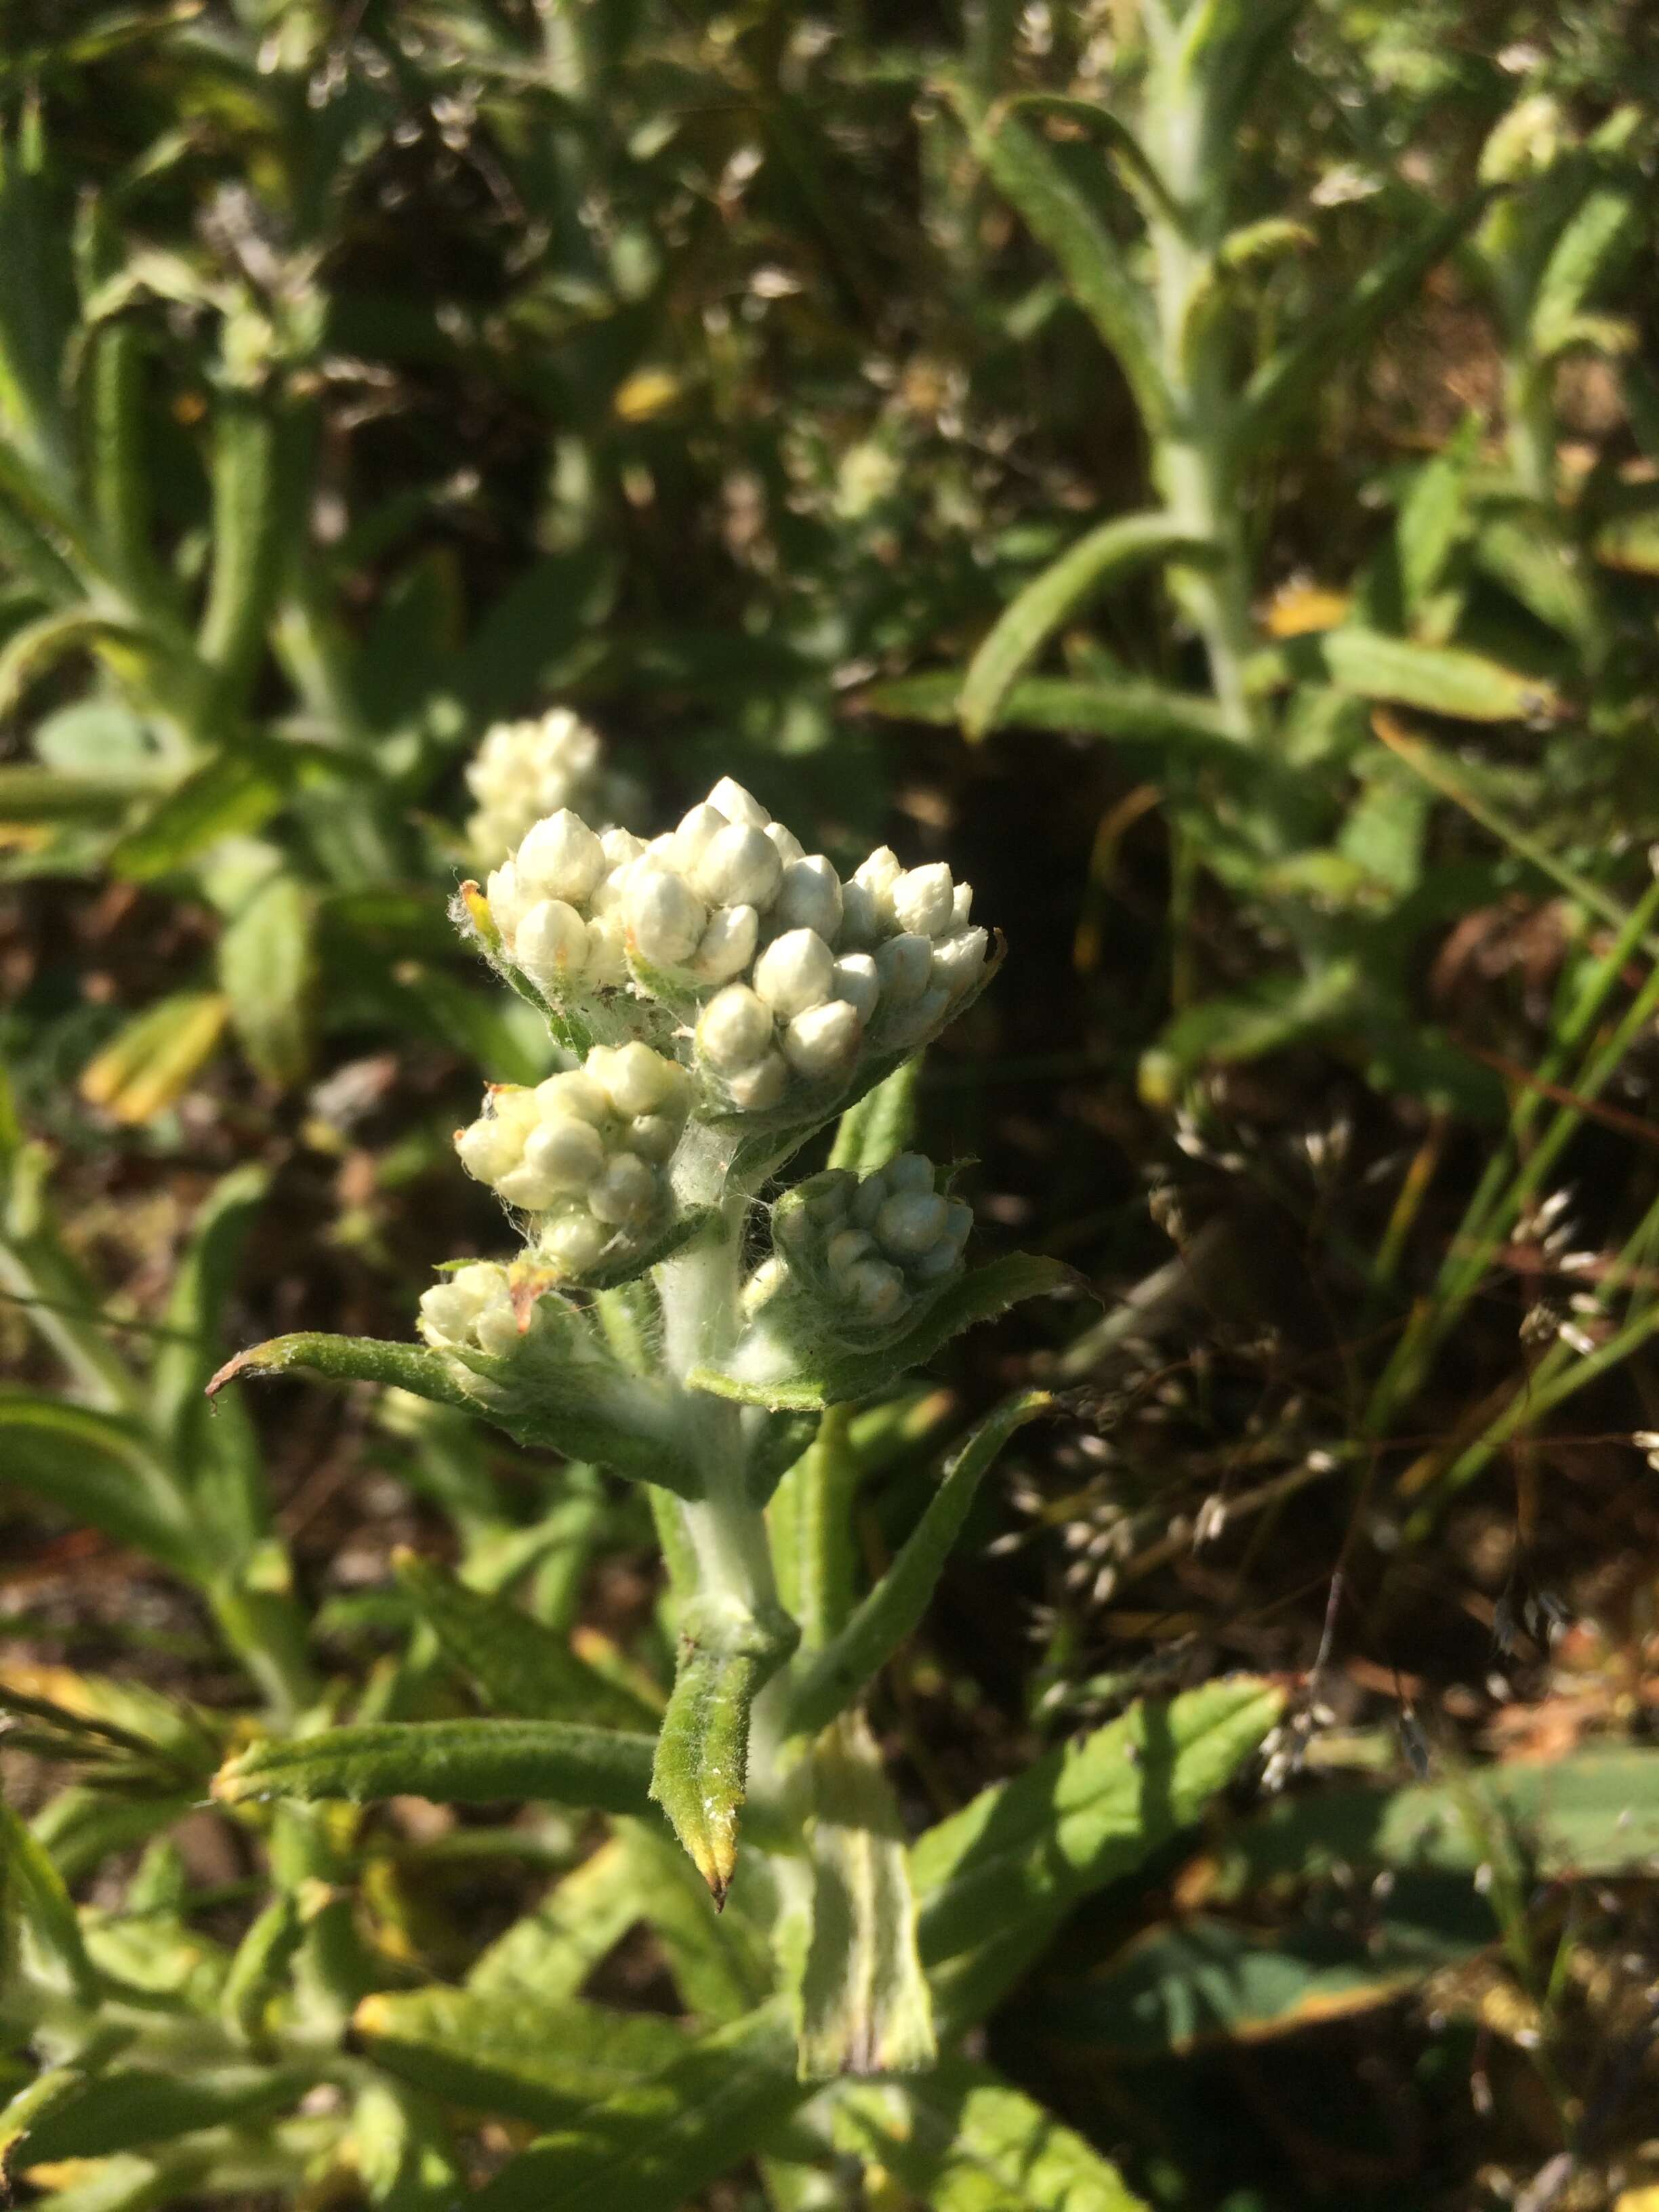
x: 585, y: 1154
x: 471, y: 1310
x: 868, y: 1251
x: 525, y: 771
x: 783, y: 973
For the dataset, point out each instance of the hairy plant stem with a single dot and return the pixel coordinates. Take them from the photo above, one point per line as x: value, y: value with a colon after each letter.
x: 1192, y: 457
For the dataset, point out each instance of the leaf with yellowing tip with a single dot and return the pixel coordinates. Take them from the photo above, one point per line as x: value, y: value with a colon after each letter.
x: 156, y: 1057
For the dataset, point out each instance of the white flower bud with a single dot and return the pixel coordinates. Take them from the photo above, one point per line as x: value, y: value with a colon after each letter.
x: 962, y: 905
x: 795, y: 972
x: 789, y: 845
x: 922, y: 899
x: 875, y: 1288
x: 923, y: 1014
x: 559, y: 859
x: 737, y: 805
x: 767, y: 1281
x: 636, y: 1080
x: 809, y: 897
x: 908, y: 1171
x: 665, y: 921
x: 620, y: 847
x: 727, y: 945
x: 845, y: 1248
x: 450, y: 1310
x: 607, y: 954
x: 626, y: 1191
x: 654, y: 1136
x: 823, y: 1041
x: 958, y: 960
x: 568, y: 1153
x: 869, y: 1198
x: 734, y: 1030
x: 490, y: 1149
x: 574, y: 1241
x: 571, y: 1092
x: 877, y: 877
x: 739, y: 866
x: 526, y: 1187
x: 860, y: 917
x: 756, y: 1089
x: 697, y: 832
x: 856, y: 981
x: 910, y: 1223
x: 507, y: 898
x: 550, y: 944
x: 497, y: 1327
x: 904, y: 965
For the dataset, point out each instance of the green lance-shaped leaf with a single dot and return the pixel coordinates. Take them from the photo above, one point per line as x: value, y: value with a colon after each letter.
x: 525, y: 1670
x: 532, y: 2058
x: 32, y: 1887
x: 232, y: 794
x: 840, y: 1672
x: 1111, y: 550
x: 467, y: 1762
x: 661, y: 2143
x: 864, y: 2006
x: 1204, y: 1981
x: 550, y: 1951
x: 268, y: 971
x: 129, y: 2107
x: 1127, y: 709
x: 259, y: 1970
x: 960, y: 2139
x: 1282, y: 386
x: 882, y: 1123
x: 763, y: 1371
x: 248, y: 508
x: 101, y: 1467
x: 1602, y: 234
x: 1091, y: 259
x: 996, y: 1879
x: 557, y: 1391
x: 37, y: 2103
x: 701, y: 1770
x: 1439, y: 679
x: 36, y: 649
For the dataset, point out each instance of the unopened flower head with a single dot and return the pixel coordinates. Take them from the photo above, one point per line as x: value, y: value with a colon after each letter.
x: 774, y: 976
x: 471, y: 1311
x: 585, y: 1154
x: 525, y: 771
x: 867, y: 1252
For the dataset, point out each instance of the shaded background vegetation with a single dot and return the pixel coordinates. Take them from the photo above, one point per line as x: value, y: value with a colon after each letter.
x: 713, y: 373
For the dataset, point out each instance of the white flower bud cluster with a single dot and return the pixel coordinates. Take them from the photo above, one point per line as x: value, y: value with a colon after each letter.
x: 585, y: 1152
x: 873, y: 1249
x: 800, y: 969
x: 471, y: 1311
x: 525, y: 771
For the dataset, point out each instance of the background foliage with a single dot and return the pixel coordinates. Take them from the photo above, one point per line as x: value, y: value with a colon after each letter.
x: 1195, y: 467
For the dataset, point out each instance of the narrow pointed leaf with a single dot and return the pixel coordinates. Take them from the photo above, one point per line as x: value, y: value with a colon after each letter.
x: 1439, y: 679
x: 532, y: 2058
x: 1128, y: 708
x: 658, y: 2144
x: 882, y: 1123
x: 840, y: 1672
x: 1091, y: 261
x: 524, y: 1669
x: 1283, y: 384
x: 700, y: 1773
x: 556, y: 1392
x: 550, y: 1951
x: 865, y: 2005
x: 451, y: 1762
x: 31, y: 1885
x: 960, y: 2139
x: 996, y: 1879
x: 98, y: 1467
x: 1111, y: 550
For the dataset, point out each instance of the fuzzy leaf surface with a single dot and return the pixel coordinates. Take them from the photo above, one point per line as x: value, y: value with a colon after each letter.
x: 996, y: 1879
x: 464, y: 1762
